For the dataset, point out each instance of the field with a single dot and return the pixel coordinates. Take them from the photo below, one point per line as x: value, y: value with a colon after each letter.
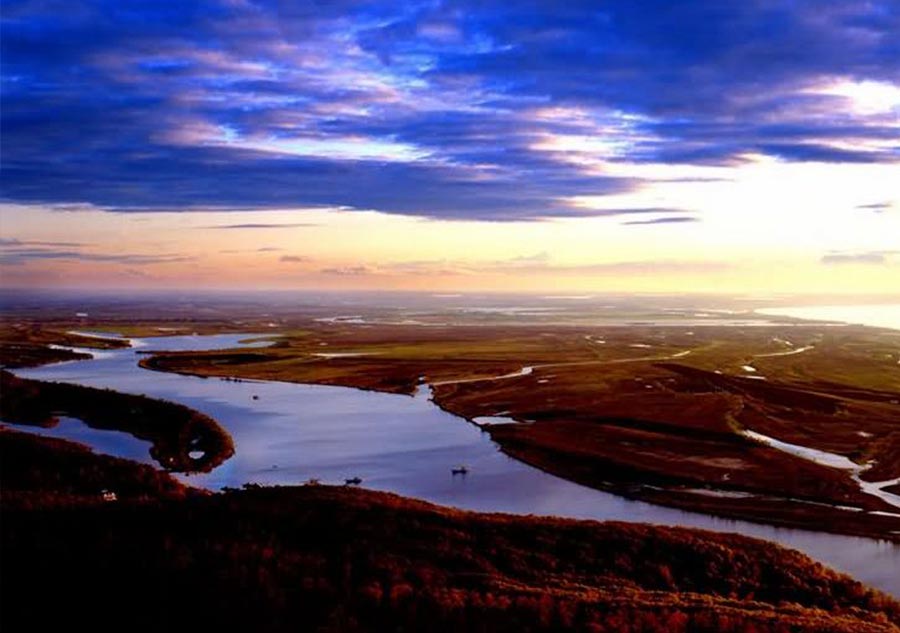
x: 650, y: 409
x: 656, y: 413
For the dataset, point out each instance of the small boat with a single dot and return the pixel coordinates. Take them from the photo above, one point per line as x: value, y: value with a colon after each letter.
x: 353, y: 481
x: 459, y: 470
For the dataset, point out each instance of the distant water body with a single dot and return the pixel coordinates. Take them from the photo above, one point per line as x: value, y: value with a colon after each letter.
x: 877, y: 315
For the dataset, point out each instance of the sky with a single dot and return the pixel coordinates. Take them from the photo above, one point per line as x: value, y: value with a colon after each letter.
x: 652, y: 146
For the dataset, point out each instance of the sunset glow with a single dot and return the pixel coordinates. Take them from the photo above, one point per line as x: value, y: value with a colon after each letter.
x: 429, y: 145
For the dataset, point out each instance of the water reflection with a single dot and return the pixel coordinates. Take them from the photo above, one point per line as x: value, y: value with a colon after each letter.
x: 117, y: 443
x: 290, y: 433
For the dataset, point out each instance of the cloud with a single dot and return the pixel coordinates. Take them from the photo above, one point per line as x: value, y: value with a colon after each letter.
x: 262, y: 249
x: 22, y: 256
x: 542, y: 264
x: 641, y: 267
x: 676, y: 219
x: 877, y: 207
x: 135, y: 273
x: 538, y: 259
x: 14, y: 252
x: 294, y: 259
x: 260, y: 225
x: 349, y: 271
x: 482, y: 110
x: 877, y: 258
x: 12, y: 243
x: 630, y: 211
x: 658, y: 267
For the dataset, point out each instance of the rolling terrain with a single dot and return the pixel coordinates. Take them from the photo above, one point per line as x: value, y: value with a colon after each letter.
x: 161, y: 557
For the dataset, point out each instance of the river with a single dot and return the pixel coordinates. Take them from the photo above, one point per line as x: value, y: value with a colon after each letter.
x: 287, y: 433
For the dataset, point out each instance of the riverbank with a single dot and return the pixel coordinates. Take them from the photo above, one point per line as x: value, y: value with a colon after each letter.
x: 657, y: 414
x: 30, y: 344
x: 288, y: 433
x: 180, y: 439
x: 342, y: 559
x: 42, y: 472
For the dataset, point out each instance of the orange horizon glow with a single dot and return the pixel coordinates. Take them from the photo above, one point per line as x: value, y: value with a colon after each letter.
x: 769, y: 227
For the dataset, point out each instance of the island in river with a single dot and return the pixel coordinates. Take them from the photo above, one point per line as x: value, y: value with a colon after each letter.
x: 331, y: 559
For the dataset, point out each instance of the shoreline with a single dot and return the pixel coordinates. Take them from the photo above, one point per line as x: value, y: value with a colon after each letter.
x: 878, y: 315
x: 646, y: 492
x: 639, y: 517
x: 336, y: 550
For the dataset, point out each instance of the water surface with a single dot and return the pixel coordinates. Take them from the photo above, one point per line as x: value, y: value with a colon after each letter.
x: 288, y: 433
x: 886, y: 315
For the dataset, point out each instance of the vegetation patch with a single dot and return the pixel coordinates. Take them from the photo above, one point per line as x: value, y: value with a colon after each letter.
x: 329, y: 559
x: 182, y: 439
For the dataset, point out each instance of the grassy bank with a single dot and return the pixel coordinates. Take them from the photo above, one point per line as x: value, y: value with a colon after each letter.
x: 653, y: 413
x: 338, y: 559
x: 43, y: 472
x: 181, y: 439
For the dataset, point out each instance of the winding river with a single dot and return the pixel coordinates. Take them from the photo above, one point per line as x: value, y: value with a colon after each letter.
x: 287, y: 433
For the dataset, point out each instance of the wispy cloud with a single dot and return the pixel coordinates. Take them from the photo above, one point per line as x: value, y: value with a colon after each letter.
x: 348, y: 271
x: 877, y: 207
x: 12, y: 243
x: 14, y: 252
x: 537, y: 264
x: 877, y: 258
x: 295, y: 259
x: 625, y: 211
x: 428, y: 109
x: 261, y: 249
x: 260, y: 225
x: 677, y: 219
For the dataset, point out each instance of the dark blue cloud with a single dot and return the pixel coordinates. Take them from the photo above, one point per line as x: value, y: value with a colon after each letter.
x: 827, y: 154
x: 439, y: 109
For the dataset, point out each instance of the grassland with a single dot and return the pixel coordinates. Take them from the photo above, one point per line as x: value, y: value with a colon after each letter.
x: 622, y: 409
x: 30, y: 344
x: 328, y: 559
x: 655, y: 413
